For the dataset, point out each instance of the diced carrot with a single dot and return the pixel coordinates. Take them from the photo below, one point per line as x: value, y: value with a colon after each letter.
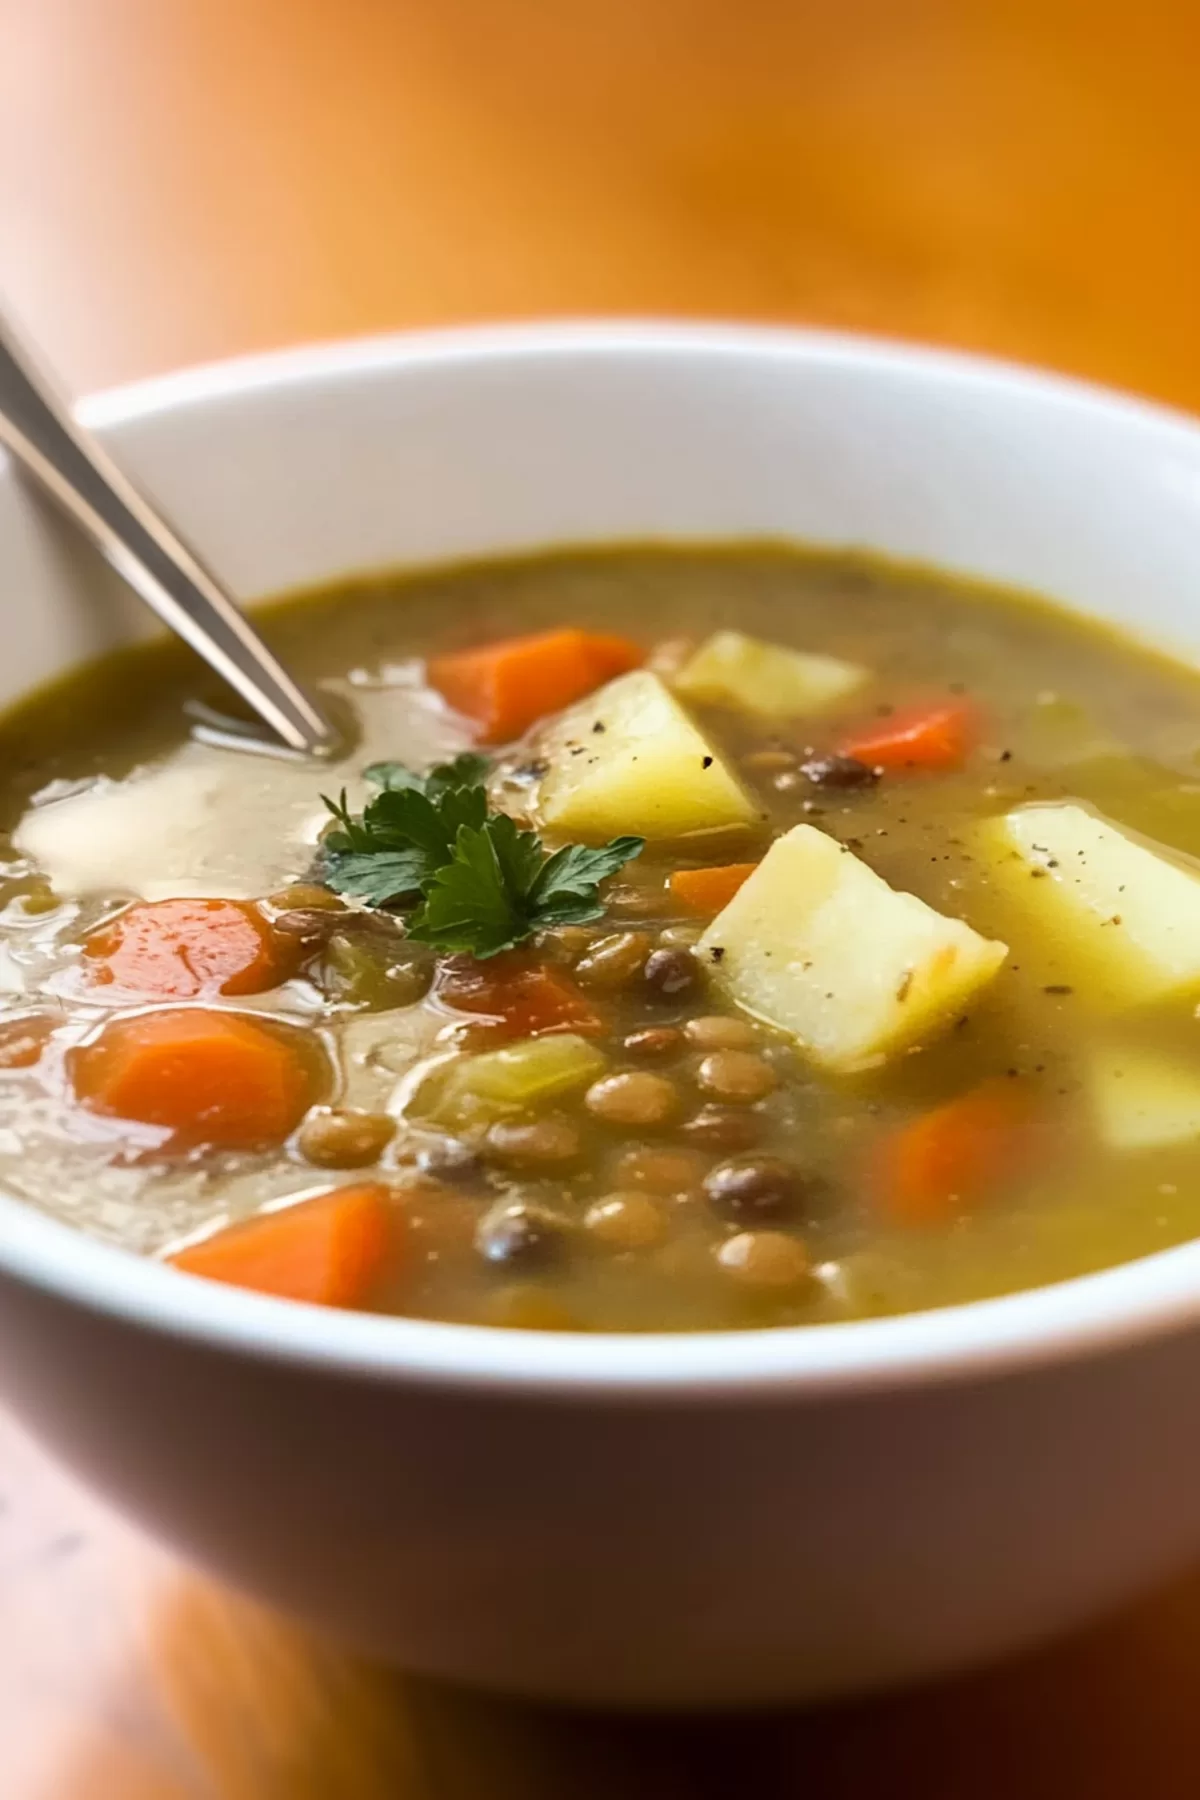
x: 206, y: 1077
x: 935, y: 738
x: 506, y: 687
x: 530, y: 998
x: 186, y: 949
x: 949, y: 1158
x: 708, y: 890
x: 328, y: 1250
x: 23, y: 1039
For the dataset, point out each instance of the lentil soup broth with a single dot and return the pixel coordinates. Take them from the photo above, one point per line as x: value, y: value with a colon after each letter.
x: 656, y: 1148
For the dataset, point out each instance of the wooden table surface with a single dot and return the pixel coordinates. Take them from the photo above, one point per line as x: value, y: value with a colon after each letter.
x: 182, y: 179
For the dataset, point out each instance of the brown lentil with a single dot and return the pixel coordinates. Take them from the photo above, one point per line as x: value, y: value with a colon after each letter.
x: 717, y: 1031
x: 723, y: 1128
x: 839, y: 772
x: 663, y: 1171
x: 633, y: 1098
x: 449, y: 1160
x: 566, y: 943
x: 343, y: 1137
x: 672, y: 974
x: 305, y: 896
x: 654, y: 1041
x: 548, y: 1142
x: 680, y: 937
x: 613, y: 962
x: 753, y: 1187
x: 626, y: 1222
x: 765, y: 1259
x: 311, y: 922
x: 738, y: 1076
x: 521, y: 1233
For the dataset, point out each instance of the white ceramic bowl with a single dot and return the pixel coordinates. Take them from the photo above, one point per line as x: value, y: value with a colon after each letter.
x: 696, y: 1520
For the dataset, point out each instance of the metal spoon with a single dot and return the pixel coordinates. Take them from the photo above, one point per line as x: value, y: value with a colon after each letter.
x: 38, y: 429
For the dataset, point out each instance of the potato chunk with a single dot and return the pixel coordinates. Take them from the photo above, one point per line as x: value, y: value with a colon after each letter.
x: 630, y: 759
x: 1142, y: 1099
x: 1122, y: 915
x: 768, y: 680
x: 818, y: 944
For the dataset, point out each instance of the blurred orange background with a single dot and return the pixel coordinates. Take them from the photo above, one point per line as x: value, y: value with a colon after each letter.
x: 180, y: 179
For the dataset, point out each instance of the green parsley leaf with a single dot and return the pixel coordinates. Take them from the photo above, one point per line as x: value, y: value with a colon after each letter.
x: 405, y: 832
x: 393, y: 776
x: 501, y: 887
x: 519, y: 854
x: 469, y: 905
x: 484, y: 884
x: 381, y: 878
x: 565, y: 892
x: 467, y: 770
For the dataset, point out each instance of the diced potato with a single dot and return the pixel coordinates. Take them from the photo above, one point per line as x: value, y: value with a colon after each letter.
x: 1120, y: 914
x: 1143, y: 1099
x: 818, y: 944
x: 630, y: 759
x: 768, y: 680
x: 475, y: 1090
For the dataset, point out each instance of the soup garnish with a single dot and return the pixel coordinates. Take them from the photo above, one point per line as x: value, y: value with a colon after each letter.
x: 483, y: 884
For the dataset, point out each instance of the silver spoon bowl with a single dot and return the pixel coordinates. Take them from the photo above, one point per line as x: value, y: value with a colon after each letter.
x: 39, y: 431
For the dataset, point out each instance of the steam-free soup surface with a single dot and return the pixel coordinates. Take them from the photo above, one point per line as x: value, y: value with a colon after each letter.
x: 870, y: 984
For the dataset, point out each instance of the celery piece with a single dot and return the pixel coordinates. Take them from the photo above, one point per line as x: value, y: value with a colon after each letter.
x: 375, y: 972
x: 475, y: 1090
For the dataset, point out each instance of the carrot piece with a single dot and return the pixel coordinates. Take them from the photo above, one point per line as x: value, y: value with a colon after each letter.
x: 23, y: 1039
x: 708, y: 890
x: 328, y: 1250
x: 185, y: 949
x: 933, y: 739
x: 950, y: 1157
x: 529, y: 998
x: 206, y: 1077
x: 506, y: 687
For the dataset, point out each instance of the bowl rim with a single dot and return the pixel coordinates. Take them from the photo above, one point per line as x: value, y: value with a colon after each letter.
x: 1103, y: 1313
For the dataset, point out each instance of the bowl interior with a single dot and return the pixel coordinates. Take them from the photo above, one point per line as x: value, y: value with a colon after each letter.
x: 294, y: 470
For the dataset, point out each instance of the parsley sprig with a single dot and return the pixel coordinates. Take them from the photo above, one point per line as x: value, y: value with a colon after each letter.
x: 472, y: 879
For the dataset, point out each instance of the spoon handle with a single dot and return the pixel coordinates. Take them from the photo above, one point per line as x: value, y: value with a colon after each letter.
x: 39, y: 431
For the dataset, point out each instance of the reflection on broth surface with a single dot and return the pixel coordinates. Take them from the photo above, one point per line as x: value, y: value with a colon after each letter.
x: 732, y: 1076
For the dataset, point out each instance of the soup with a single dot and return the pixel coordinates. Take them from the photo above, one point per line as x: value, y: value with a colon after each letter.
x: 691, y: 939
